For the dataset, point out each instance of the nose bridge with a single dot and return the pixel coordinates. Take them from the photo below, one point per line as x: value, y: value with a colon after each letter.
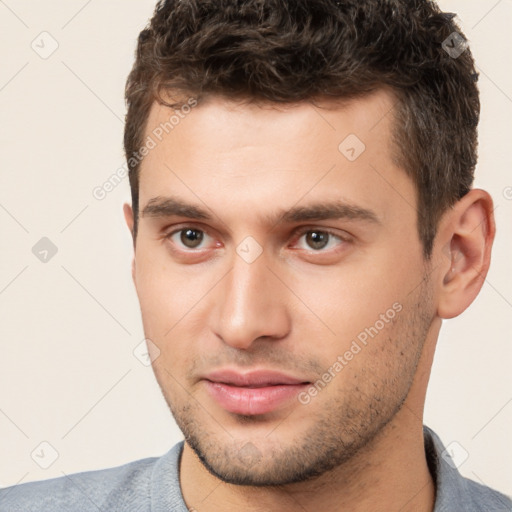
x: 250, y: 304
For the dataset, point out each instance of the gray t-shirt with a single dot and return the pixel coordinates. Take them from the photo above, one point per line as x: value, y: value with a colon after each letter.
x: 152, y: 485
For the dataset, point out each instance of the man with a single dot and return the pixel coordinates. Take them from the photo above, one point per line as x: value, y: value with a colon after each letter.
x: 303, y: 220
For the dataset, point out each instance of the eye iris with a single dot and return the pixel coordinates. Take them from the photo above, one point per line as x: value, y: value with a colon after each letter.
x: 317, y: 239
x: 191, y: 237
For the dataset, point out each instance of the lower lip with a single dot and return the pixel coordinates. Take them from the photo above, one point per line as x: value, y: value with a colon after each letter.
x: 252, y: 401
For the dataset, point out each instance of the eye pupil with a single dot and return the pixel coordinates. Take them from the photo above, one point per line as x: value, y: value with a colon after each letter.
x: 191, y: 237
x: 317, y: 239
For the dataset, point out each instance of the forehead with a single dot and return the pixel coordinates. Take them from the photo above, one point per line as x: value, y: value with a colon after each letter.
x: 253, y: 156
x: 216, y: 116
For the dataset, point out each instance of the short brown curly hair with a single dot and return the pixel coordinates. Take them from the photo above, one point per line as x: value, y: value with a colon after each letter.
x: 288, y: 51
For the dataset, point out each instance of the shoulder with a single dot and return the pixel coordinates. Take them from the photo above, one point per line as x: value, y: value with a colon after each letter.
x: 481, y: 497
x: 90, y: 490
x: 455, y: 492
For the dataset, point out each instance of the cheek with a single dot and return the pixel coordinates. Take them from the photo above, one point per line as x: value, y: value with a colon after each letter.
x: 158, y: 290
x: 174, y: 301
x: 367, y: 308
x: 350, y: 298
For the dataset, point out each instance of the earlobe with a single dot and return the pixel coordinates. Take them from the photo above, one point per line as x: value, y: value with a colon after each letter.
x: 467, y: 235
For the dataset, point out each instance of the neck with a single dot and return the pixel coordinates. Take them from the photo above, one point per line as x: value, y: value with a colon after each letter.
x: 391, y: 474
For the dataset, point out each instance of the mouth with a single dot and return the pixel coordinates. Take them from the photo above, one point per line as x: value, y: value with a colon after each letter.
x: 252, y: 393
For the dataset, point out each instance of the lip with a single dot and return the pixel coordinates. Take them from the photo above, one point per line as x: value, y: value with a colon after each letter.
x: 252, y: 393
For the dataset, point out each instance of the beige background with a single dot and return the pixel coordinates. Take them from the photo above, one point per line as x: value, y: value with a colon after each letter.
x: 68, y: 375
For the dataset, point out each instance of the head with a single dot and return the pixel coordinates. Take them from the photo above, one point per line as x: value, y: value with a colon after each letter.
x: 301, y: 203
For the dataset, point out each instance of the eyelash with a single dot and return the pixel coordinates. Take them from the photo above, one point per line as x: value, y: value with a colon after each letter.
x: 296, y: 236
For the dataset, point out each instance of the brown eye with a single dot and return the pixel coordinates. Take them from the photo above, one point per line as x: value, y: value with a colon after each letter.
x: 191, y: 238
x: 317, y: 239
x: 320, y: 240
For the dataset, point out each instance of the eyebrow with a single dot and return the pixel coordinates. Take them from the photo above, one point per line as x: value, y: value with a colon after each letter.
x: 171, y: 206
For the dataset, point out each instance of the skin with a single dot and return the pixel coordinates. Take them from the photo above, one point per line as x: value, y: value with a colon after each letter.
x: 358, y: 444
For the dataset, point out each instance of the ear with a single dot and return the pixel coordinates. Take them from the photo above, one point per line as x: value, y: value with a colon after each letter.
x: 466, y: 234
x: 128, y: 217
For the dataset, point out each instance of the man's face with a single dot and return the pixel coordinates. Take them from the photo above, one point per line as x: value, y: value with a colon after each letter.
x: 287, y: 338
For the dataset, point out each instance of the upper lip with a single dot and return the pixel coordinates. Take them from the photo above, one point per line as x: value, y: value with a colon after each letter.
x: 254, y: 378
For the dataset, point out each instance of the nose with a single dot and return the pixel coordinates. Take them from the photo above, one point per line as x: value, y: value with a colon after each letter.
x: 251, y: 304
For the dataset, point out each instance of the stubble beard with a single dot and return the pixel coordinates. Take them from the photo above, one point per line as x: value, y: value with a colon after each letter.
x: 345, y: 426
